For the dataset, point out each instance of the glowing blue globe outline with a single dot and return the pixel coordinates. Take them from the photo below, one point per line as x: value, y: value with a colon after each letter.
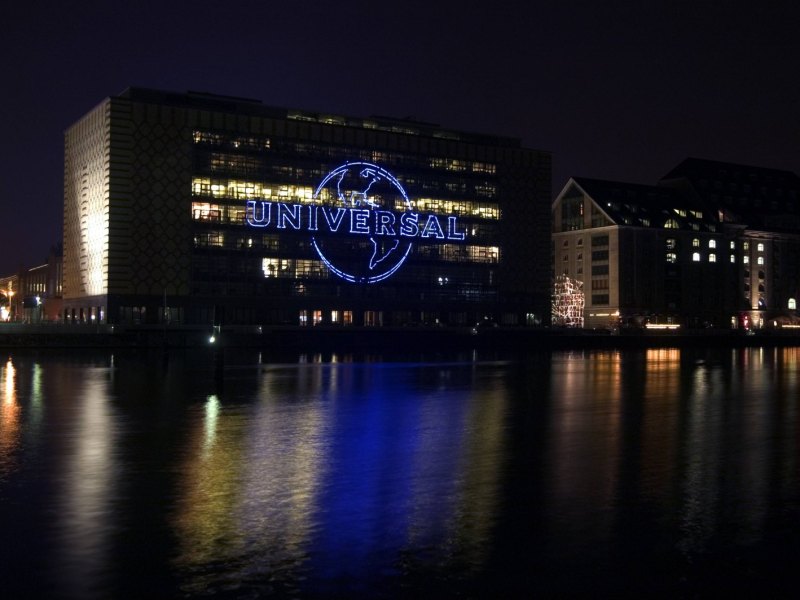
x: 331, y: 267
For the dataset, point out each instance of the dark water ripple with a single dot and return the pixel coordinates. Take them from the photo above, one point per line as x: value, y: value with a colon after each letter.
x: 660, y: 472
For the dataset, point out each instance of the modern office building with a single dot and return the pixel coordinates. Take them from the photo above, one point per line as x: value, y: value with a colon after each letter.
x: 713, y: 244
x: 197, y: 208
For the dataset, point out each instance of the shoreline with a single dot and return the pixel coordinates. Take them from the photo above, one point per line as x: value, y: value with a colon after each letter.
x: 345, y: 338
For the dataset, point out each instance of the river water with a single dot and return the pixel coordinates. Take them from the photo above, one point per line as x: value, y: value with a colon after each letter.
x: 662, y: 472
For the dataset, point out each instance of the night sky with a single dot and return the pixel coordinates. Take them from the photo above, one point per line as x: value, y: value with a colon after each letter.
x: 615, y: 90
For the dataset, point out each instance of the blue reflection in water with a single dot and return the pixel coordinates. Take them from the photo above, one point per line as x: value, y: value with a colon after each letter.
x: 343, y: 472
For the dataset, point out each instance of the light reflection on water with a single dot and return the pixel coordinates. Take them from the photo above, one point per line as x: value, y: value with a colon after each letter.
x: 87, y: 479
x: 9, y: 419
x: 563, y: 472
x: 336, y: 472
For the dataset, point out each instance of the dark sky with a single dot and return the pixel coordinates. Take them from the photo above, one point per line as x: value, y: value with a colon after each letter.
x: 615, y: 90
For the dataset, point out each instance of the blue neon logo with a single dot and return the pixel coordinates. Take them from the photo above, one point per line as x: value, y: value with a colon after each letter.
x: 368, y: 204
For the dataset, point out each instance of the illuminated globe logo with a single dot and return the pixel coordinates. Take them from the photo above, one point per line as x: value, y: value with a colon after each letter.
x: 368, y: 201
x: 362, y: 224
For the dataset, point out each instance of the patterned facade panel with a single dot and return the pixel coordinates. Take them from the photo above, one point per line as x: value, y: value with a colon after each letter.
x: 86, y: 205
x: 159, y: 195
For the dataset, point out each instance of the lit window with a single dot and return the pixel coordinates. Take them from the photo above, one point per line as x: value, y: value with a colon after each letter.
x: 792, y: 305
x: 733, y: 245
x: 672, y: 257
x: 671, y: 243
x: 712, y: 243
x: 712, y: 257
x: 746, y: 245
x: 671, y: 224
x: 696, y: 257
x: 746, y: 260
x: 695, y: 243
x: 761, y: 260
x: 733, y: 258
x: 761, y: 247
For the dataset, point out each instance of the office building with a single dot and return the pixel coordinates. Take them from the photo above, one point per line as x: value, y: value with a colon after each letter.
x: 196, y: 208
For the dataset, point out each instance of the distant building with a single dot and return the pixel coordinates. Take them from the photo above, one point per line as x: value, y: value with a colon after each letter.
x: 40, y: 290
x: 33, y: 295
x: 197, y: 208
x: 713, y: 244
x: 760, y: 210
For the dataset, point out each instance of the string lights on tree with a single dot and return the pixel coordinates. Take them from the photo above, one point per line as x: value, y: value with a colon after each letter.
x: 568, y: 302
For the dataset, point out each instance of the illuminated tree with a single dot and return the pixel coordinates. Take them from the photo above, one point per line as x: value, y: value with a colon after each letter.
x: 568, y: 302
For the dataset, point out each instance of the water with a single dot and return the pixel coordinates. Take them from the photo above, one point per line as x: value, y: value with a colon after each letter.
x: 662, y: 472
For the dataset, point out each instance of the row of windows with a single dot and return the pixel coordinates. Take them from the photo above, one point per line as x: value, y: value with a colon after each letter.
x: 671, y: 243
x: 211, y: 139
x: 294, y: 268
x: 427, y: 285
x: 451, y: 164
x: 299, y: 194
x: 673, y: 224
x: 602, y: 240
x: 460, y: 253
x: 466, y: 253
x: 242, y: 142
x: 672, y: 257
x: 247, y: 166
x: 481, y: 210
x: 236, y: 215
x: 240, y: 164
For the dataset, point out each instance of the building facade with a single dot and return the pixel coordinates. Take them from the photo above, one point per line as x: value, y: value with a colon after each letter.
x: 713, y: 244
x: 33, y: 295
x: 197, y: 209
